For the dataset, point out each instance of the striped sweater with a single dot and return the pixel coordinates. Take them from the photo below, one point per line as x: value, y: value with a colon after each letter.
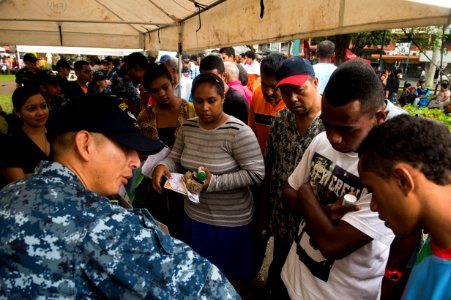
x: 232, y: 154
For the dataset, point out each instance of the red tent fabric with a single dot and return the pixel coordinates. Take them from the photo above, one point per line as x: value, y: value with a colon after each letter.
x: 349, y: 56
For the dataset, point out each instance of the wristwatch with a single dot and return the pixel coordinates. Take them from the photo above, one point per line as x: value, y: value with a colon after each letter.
x: 393, y: 275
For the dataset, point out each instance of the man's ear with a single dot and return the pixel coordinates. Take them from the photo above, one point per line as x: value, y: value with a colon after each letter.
x: 403, y: 178
x: 222, y: 76
x: 84, y: 144
x: 315, y: 82
x: 43, y: 88
x: 17, y: 113
x: 381, y: 116
x: 226, y: 77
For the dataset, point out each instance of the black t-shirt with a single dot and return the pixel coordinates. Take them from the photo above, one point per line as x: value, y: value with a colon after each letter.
x: 22, y: 152
x: 235, y: 104
x: 24, y: 76
x: 72, y: 90
x: 392, y: 85
x: 64, y: 84
x: 167, y: 136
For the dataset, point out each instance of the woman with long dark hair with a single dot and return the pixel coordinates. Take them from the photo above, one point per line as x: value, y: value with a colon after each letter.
x: 219, y: 227
x: 28, y: 144
x: 161, y: 121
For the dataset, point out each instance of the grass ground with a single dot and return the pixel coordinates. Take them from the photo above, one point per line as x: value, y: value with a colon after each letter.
x: 7, y: 86
x: 5, y: 102
x: 7, y: 77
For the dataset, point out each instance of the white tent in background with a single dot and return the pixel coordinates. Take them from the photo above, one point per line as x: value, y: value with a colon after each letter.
x: 200, y: 24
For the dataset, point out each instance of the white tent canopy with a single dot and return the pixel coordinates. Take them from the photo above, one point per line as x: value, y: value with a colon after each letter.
x: 76, y: 50
x: 175, y: 24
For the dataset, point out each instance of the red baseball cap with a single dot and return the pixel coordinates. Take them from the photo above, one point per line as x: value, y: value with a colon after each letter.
x: 295, y: 71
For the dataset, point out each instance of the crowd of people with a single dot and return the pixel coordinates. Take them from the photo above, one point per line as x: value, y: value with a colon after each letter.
x: 419, y: 95
x: 282, y: 144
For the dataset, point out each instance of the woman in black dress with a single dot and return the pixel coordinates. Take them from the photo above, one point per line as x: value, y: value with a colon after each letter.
x: 28, y: 145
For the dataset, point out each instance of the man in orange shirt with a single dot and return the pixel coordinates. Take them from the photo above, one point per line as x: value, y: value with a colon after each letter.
x: 84, y: 75
x: 266, y: 102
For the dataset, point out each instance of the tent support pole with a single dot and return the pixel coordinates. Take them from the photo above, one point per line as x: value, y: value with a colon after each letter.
x: 180, y: 51
x: 61, y: 34
x: 381, y: 63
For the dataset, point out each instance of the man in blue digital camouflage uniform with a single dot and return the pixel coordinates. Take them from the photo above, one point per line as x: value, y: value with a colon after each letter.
x: 61, y: 238
x: 125, y: 83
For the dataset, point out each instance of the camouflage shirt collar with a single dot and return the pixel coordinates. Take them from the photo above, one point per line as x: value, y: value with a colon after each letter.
x: 58, y: 172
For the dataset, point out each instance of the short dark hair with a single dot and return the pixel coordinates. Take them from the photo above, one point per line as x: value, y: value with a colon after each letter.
x: 21, y: 95
x: 423, y: 143
x: 270, y: 63
x: 30, y: 57
x: 210, y: 78
x: 155, y: 72
x: 79, y: 64
x: 212, y: 62
x: 115, y: 61
x: 45, y: 77
x: 325, y: 49
x: 136, y: 59
x: 355, y: 80
x: 229, y: 51
x: 249, y: 54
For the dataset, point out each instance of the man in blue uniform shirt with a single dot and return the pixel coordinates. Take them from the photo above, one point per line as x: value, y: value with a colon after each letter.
x: 61, y: 238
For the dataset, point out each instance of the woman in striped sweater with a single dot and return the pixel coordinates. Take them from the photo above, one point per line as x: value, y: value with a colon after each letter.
x: 219, y: 227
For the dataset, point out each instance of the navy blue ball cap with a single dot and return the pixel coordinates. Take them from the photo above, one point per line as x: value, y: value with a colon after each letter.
x: 30, y: 57
x: 98, y: 76
x: 62, y: 63
x: 46, y: 77
x: 295, y: 71
x: 102, y: 114
x: 164, y: 58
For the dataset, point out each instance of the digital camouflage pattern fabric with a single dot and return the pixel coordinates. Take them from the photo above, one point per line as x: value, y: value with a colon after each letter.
x: 127, y: 91
x: 59, y: 240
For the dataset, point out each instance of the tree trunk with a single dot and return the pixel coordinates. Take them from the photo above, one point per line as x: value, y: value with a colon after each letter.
x: 432, y: 67
x: 341, y: 45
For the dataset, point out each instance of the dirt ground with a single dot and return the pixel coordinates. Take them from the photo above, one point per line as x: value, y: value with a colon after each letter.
x: 263, y: 274
x: 7, y: 87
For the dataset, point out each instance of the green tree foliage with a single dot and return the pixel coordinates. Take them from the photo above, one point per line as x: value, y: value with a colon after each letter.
x: 358, y: 41
x: 427, y: 38
x: 430, y: 38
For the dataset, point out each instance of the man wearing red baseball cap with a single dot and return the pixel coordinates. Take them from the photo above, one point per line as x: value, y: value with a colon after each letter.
x: 293, y: 129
